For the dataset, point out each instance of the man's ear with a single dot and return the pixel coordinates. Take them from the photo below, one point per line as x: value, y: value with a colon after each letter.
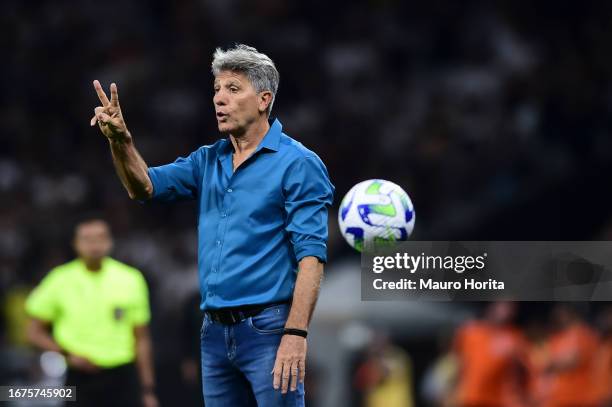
x: 265, y: 98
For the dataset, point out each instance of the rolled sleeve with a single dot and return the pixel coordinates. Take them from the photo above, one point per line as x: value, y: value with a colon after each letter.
x: 308, y: 195
x: 176, y: 181
x: 310, y: 248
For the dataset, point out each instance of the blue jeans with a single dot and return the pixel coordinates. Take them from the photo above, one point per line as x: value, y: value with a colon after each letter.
x: 237, y: 361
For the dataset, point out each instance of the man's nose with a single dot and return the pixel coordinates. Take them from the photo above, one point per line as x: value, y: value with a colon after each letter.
x: 219, y: 99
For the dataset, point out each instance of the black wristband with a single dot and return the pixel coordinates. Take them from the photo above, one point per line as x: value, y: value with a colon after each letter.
x: 296, y: 332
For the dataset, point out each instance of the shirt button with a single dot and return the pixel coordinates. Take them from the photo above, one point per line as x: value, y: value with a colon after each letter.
x: 214, y: 270
x: 229, y: 190
x: 223, y: 215
x: 218, y: 242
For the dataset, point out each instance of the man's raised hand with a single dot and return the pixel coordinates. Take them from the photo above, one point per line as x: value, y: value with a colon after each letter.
x: 108, y: 116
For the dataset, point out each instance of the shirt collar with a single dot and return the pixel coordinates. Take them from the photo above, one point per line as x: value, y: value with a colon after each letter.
x: 271, y: 140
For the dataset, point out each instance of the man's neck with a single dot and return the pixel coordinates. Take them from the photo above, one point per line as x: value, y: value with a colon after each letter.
x: 93, y: 264
x: 248, y: 141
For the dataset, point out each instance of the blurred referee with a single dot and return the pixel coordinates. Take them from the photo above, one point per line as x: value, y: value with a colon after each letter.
x: 263, y: 199
x: 98, y: 310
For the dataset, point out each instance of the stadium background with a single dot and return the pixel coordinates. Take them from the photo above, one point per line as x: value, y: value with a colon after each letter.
x: 495, y: 117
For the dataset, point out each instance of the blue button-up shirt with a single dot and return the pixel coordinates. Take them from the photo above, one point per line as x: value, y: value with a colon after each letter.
x: 255, y: 224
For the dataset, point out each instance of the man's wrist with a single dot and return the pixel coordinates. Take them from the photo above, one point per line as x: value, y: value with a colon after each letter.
x: 125, y: 140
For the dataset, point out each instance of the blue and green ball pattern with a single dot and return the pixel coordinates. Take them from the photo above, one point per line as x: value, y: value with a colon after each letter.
x: 386, y: 233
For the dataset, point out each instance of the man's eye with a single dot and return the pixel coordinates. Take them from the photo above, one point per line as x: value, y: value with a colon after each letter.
x: 233, y: 90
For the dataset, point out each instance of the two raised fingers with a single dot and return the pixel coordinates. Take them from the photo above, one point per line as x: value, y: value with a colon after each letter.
x: 102, y: 95
x: 101, y: 111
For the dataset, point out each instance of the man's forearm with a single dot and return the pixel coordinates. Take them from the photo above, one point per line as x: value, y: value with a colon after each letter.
x: 38, y: 335
x: 305, y: 293
x: 131, y: 169
x: 144, y: 359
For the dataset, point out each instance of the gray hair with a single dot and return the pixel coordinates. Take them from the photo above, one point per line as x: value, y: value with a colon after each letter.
x: 258, y: 67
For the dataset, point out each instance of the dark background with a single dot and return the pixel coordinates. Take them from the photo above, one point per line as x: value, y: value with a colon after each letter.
x: 493, y: 116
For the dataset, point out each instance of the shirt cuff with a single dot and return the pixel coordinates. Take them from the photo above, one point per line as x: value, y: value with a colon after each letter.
x: 154, y: 180
x: 311, y: 248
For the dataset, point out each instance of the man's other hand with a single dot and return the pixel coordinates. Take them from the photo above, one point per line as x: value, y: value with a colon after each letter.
x: 290, y: 365
x: 81, y: 364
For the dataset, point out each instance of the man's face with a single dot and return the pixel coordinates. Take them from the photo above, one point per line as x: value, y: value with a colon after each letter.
x: 237, y: 104
x: 92, y: 240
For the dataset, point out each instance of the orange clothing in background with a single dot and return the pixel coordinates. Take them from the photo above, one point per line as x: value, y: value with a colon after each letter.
x: 538, y: 379
x: 577, y: 385
x: 490, y: 359
x: 604, y: 370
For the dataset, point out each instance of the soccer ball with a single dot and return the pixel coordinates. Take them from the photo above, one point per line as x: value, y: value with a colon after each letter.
x: 375, y: 211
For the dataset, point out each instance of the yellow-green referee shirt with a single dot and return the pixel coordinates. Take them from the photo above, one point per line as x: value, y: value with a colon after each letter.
x: 93, y: 313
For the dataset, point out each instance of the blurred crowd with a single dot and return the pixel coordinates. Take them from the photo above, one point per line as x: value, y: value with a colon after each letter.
x: 493, y: 116
x: 563, y: 359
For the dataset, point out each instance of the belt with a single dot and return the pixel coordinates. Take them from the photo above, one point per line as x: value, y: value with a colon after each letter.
x: 229, y: 316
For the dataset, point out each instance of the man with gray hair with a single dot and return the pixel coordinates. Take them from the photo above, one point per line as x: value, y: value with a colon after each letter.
x: 263, y: 200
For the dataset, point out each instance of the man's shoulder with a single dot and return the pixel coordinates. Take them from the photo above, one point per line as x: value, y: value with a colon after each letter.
x: 58, y: 275
x: 120, y: 267
x: 294, y: 149
x: 63, y: 269
x: 129, y: 277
